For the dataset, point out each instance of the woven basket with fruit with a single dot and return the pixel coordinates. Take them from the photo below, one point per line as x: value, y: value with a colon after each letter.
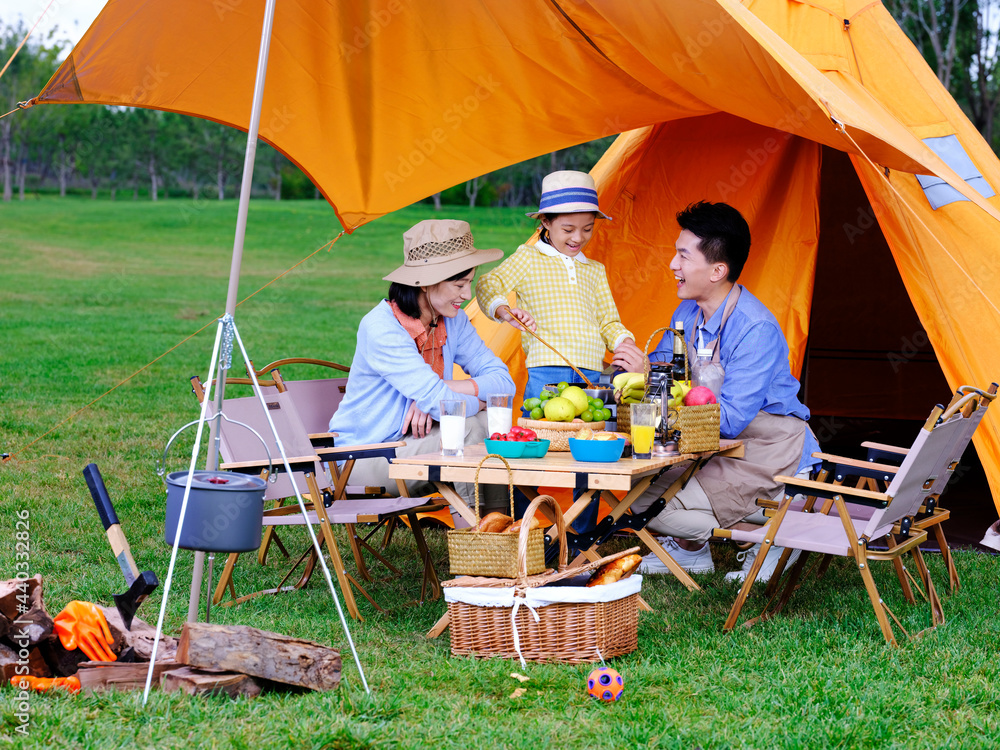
x: 557, y: 417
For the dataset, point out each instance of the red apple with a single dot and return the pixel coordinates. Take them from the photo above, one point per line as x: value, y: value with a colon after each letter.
x: 698, y: 396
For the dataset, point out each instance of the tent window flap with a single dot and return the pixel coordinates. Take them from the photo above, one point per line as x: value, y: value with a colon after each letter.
x: 940, y: 193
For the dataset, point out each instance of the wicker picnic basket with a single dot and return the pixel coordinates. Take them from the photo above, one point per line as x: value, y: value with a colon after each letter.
x: 532, y: 620
x: 558, y: 433
x: 698, y: 425
x: 485, y: 553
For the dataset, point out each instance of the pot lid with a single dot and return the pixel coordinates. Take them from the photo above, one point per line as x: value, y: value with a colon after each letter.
x: 217, y: 480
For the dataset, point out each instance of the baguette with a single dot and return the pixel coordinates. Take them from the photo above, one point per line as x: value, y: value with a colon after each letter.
x: 515, y: 528
x: 615, y: 570
x: 494, y: 523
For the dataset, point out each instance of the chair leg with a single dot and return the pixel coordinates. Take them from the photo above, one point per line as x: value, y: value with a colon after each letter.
x: 226, y: 579
x: 430, y: 577
x: 359, y: 558
x: 937, y: 612
x: 901, y: 573
x: 953, y: 583
x: 748, y: 582
x: 873, y: 596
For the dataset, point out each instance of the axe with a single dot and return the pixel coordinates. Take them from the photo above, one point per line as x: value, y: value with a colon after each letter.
x: 141, y: 585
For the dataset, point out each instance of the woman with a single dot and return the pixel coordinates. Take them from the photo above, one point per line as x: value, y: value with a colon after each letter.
x: 405, y: 351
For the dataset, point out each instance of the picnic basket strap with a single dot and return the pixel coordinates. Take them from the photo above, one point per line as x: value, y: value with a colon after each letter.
x: 510, y: 484
x: 522, y: 540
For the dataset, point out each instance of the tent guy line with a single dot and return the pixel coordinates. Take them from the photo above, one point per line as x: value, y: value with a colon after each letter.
x: 12, y: 455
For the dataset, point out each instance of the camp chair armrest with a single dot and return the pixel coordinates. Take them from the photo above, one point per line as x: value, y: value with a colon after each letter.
x: 349, y: 452
x: 841, y: 467
x: 882, y: 451
x: 794, y: 485
x: 244, y: 467
x: 323, y: 439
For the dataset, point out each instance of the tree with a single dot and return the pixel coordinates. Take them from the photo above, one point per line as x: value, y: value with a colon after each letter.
x: 25, y: 75
x: 933, y: 25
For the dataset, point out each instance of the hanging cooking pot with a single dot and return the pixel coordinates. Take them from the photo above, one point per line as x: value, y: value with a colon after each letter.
x: 225, y: 510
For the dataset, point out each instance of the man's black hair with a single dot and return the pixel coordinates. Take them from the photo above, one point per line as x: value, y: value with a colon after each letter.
x: 407, y: 298
x: 724, y: 234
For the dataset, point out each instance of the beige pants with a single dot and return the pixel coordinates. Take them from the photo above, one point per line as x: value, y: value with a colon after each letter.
x: 374, y: 472
x: 689, y: 514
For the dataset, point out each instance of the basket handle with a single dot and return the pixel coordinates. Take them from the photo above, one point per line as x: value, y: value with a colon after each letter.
x: 522, y: 539
x: 510, y: 485
x: 687, y: 353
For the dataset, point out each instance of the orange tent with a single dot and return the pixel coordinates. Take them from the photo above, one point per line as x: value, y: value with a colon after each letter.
x: 811, y: 117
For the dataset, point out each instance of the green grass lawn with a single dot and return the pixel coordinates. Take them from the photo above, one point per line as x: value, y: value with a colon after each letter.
x: 92, y: 292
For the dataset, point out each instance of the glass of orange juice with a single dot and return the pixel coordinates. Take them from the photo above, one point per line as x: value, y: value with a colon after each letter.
x: 643, y: 429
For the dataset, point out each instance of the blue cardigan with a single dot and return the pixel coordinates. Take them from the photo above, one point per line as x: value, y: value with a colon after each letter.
x: 388, y: 374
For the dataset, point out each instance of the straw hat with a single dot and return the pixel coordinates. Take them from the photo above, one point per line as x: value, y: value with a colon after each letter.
x: 437, y: 249
x: 568, y: 192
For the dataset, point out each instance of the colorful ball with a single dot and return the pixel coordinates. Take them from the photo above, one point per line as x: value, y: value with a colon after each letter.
x: 605, y: 684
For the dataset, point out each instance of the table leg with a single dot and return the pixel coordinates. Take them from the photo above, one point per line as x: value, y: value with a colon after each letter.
x: 455, y: 501
x: 440, y: 626
x: 677, y: 570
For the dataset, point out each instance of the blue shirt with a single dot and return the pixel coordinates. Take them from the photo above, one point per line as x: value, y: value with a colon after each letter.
x: 754, y: 354
x: 388, y: 374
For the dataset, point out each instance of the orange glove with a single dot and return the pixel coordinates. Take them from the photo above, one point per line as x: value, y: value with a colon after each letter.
x: 82, y: 625
x: 45, y: 684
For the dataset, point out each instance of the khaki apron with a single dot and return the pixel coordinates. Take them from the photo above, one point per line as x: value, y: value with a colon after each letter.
x: 772, y: 445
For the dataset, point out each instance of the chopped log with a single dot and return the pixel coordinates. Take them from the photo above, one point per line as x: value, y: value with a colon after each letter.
x: 35, y: 663
x: 209, y: 682
x: 33, y: 627
x: 102, y: 675
x: 18, y: 595
x: 4, y: 626
x: 140, y: 637
x: 238, y: 648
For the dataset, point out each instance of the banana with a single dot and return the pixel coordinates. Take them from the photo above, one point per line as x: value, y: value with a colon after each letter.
x: 624, y: 380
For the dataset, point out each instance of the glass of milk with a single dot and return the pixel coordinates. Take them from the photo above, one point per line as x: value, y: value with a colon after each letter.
x: 452, y: 427
x: 499, y: 412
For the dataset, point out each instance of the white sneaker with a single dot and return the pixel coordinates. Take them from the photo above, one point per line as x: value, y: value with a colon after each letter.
x: 696, y: 561
x: 992, y: 538
x: 766, y: 570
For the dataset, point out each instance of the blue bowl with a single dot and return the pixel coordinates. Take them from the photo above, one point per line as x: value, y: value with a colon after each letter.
x: 517, y: 449
x: 597, y: 451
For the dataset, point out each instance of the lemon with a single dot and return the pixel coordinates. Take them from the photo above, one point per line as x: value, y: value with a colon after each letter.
x: 576, y: 395
x: 559, y: 409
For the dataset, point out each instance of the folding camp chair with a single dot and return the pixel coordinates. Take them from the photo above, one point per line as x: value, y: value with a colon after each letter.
x: 837, y: 533
x: 316, y: 400
x: 874, y: 474
x: 241, y: 451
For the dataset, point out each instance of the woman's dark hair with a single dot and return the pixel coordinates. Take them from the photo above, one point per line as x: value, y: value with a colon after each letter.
x: 724, y: 234
x: 543, y: 233
x: 407, y: 298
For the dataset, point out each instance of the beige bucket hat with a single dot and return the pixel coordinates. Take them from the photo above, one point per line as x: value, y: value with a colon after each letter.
x: 568, y: 192
x: 437, y: 249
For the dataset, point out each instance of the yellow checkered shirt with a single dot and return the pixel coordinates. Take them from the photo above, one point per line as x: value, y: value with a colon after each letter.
x: 570, y: 300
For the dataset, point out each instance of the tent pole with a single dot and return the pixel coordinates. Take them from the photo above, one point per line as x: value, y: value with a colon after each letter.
x: 234, y: 268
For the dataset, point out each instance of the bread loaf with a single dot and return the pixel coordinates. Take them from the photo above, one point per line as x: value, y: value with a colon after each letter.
x: 615, y: 570
x: 515, y: 528
x: 494, y: 523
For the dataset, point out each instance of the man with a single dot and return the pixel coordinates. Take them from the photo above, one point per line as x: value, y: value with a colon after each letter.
x: 758, y: 403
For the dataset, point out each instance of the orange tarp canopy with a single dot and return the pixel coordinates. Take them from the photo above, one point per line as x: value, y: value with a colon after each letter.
x: 383, y: 103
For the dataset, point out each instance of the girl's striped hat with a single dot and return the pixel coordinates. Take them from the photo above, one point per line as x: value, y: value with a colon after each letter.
x: 568, y: 192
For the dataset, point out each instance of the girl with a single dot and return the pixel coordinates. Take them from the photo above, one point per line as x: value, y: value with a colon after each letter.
x: 560, y: 292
